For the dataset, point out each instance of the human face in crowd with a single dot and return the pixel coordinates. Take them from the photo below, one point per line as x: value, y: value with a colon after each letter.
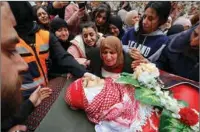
x: 62, y: 33
x: 150, y: 21
x: 169, y: 23
x: 89, y: 36
x: 100, y: 18
x: 135, y: 19
x: 109, y: 57
x: 12, y: 63
x: 42, y: 16
x: 114, y: 30
x: 194, y: 40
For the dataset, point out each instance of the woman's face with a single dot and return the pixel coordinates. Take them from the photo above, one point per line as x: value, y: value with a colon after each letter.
x: 100, y: 18
x: 150, y: 21
x: 114, y: 30
x: 62, y: 33
x: 89, y: 36
x: 43, y: 16
x: 169, y: 23
x: 194, y: 40
x: 135, y: 19
x: 109, y: 57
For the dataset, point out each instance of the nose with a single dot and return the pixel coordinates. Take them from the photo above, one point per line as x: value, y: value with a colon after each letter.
x: 100, y: 20
x: 112, y: 31
x: 88, y: 38
x: 21, y: 65
x: 108, y: 57
x: 144, y: 21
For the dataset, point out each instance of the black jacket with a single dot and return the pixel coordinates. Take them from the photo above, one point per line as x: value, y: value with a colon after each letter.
x: 96, y: 62
x: 178, y: 58
x: 58, y: 55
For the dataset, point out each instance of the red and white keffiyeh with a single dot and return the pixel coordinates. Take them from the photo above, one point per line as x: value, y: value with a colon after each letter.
x: 115, y: 104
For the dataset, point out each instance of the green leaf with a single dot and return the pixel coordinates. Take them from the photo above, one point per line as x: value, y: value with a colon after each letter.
x: 170, y: 124
x: 127, y: 78
x: 147, y: 96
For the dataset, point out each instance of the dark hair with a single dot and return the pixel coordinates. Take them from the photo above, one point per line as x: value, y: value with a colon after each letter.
x: 87, y: 25
x: 36, y: 8
x: 100, y: 9
x: 162, y: 9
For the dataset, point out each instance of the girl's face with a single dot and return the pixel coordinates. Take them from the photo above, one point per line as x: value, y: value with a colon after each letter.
x: 89, y: 36
x: 150, y: 21
x: 109, y: 57
x: 42, y: 16
x: 62, y: 33
x: 100, y: 18
x: 114, y: 30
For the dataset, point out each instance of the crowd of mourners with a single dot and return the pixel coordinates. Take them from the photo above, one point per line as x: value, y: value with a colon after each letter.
x: 75, y: 39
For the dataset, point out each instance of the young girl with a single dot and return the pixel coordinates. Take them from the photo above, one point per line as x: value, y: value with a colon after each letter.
x: 101, y: 17
x: 148, y: 40
x: 42, y: 17
x: 87, y: 40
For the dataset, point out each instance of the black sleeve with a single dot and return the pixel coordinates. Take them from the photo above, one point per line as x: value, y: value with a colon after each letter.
x: 20, y: 117
x: 53, y: 11
x: 63, y: 59
x: 95, y: 61
x: 163, y: 61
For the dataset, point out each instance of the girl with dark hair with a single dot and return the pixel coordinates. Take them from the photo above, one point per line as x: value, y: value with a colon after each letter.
x: 147, y: 41
x: 42, y: 17
x: 86, y: 41
x: 101, y: 17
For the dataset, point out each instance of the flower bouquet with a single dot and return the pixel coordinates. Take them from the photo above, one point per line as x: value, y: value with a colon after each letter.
x: 175, y: 115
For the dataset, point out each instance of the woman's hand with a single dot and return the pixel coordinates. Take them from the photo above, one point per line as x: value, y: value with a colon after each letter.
x: 135, y: 54
x: 39, y: 94
x: 137, y: 63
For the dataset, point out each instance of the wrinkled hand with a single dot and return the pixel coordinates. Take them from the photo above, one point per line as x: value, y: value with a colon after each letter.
x: 87, y: 63
x: 137, y: 63
x: 39, y: 94
x: 135, y: 54
x: 18, y: 128
x: 90, y: 76
x: 69, y: 75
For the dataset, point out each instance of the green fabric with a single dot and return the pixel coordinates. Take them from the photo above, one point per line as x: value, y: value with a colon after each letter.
x: 61, y: 118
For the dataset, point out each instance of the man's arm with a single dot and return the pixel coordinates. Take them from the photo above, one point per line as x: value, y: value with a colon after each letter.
x: 65, y: 60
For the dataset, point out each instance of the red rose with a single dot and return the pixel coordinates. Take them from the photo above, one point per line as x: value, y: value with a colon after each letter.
x: 188, y: 116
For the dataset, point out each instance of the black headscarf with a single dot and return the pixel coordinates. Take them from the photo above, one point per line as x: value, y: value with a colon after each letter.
x: 175, y: 29
x: 117, y: 21
x: 57, y: 23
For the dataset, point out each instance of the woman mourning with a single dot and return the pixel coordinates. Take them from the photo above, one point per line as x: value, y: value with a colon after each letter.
x: 109, y: 60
